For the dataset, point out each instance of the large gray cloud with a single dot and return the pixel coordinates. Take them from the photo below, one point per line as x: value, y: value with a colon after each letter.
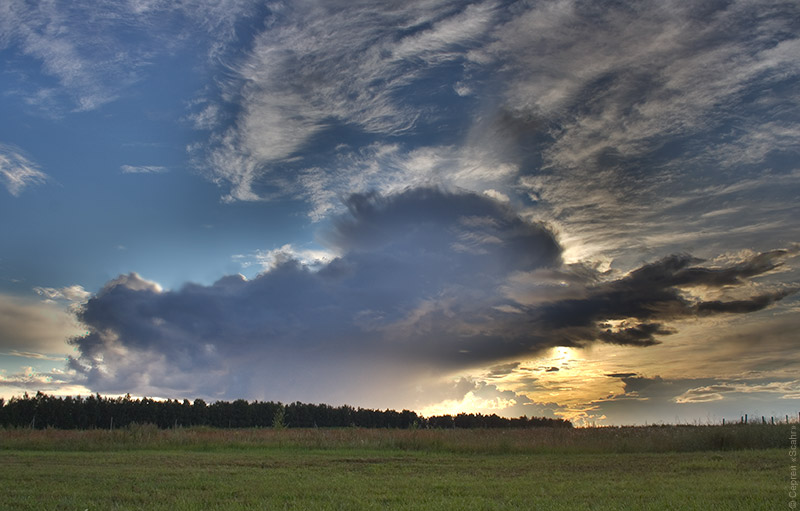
x: 416, y: 280
x: 418, y: 291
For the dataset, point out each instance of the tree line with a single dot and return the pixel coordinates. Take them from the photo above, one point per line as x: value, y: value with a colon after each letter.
x: 98, y: 412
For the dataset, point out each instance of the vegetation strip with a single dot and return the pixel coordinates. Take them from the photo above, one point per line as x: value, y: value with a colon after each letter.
x: 348, y: 478
x: 44, y: 411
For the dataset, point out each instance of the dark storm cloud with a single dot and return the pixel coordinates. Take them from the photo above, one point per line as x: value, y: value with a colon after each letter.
x: 416, y: 281
x: 502, y: 369
x: 621, y: 375
x: 639, y: 335
x: 754, y: 304
x: 424, y: 224
x: 648, y: 297
x: 416, y: 291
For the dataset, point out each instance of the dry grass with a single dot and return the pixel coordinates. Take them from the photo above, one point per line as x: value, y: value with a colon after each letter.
x: 538, y: 440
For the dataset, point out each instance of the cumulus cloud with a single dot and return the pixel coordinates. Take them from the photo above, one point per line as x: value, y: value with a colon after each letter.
x: 414, y: 282
x: 30, y: 379
x: 416, y: 293
x: 17, y: 172
x: 486, y: 398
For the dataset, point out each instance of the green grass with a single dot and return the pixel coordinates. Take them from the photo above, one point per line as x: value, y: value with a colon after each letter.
x: 145, y: 468
x: 288, y: 478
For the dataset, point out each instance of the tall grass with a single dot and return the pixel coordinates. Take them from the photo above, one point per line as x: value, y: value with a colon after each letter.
x: 640, y: 439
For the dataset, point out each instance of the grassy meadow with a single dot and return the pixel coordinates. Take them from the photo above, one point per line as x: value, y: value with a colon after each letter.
x: 142, y: 467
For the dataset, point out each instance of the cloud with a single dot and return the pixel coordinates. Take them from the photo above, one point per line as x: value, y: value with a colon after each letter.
x: 735, y: 389
x: 415, y: 281
x: 628, y: 108
x: 618, y: 81
x: 74, y: 293
x: 17, y: 172
x: 679, y: 400
x: 635, y: 309
x: 35, y: 326
x: 316, y: 67
x: 621, y: 375
x: 29, y: 379
x: 28, y: 354
x: 80, y: 57
x: 269, y: 259
x: 485, y: 398
x: 629, y: 130
x: 598, y: 115
x: 142, y: 169
x: 95, y: 52
x: 390, y: 168
x: 415, y: 294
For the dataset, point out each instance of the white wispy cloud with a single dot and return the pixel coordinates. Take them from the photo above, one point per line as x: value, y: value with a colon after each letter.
x: 391, y: 168
x: 28, y: 378
x: 788, y: 389
x: 321, y: 66
x: 637, y: 106
x: 61, y: 40
x: 602, y: 117
x: 18, y: 172
x: 143, y: 169
x: 271, y: 259
x: 29, y: 354
x: 87, y: 46
x: 74, y: 293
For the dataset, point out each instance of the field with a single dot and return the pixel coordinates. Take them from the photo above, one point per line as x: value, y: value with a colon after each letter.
x: 141, y: 467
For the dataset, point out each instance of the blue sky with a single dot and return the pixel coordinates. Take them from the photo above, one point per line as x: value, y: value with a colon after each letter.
x: 575, y: 209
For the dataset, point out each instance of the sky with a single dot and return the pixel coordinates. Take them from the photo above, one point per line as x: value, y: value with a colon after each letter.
x: 576, y: 209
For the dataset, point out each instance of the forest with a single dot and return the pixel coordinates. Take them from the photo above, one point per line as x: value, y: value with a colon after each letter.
x: 98, y: 412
